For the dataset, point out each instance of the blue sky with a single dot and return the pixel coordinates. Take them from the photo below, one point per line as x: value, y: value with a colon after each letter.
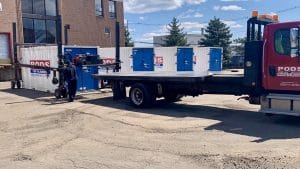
x: 148, y: 18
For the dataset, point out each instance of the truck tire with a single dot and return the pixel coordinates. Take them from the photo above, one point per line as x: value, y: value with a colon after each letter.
x: 57, y: 93
x: 142, y: 95
x: 170, y: 97
x: 13, y: 84
x: 19, y: 84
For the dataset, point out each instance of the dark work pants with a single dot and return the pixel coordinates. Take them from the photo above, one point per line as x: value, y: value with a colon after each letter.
x: 72, y: 86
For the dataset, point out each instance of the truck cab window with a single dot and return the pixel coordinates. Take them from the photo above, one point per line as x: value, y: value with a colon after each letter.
x: 283, y: 42
x: 286, y: 42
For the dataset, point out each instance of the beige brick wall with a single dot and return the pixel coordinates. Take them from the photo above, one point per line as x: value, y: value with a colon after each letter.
x: 86, y: 27
x: 8, y: 15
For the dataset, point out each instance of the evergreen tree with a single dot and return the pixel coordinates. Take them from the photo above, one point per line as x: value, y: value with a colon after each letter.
x: 217, y: 34
x: 128, y: 39
x: 239, y: 46
x: 176, y: 35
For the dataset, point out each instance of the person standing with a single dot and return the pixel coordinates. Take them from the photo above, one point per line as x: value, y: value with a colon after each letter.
x: 71, y: 80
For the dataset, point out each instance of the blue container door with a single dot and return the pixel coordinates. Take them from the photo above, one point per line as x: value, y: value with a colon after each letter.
x: 215, y: 63
x: 143, y: 59
x: 85, y: 81
x: 185, y: 59
x: 84, y: 74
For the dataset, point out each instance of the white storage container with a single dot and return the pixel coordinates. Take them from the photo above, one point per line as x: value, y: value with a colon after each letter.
x: 201, y: 59
x: 126, y: 59
x: 109, y: 56
x: 165, y: 59
x: 39, y: 79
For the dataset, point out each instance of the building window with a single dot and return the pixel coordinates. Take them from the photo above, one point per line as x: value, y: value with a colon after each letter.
x: 112, y: 8
x: 4, y: 49
x: 27, y: 6
x: 40, y: 31
x: 28, y: 30
x: 99, y: 7
x: 39, y: 7
x: 39, y: 21
x: 51, y: 7
x: 51, y: 31
x: 106, y: 30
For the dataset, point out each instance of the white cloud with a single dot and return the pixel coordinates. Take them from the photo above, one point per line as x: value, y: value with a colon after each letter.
x: 232, y: 24
x: 142, y: 18
x: 191, y: 26
x: 228, y: 8
x: 216, y: 8
x: 148, y: 37
x: 233, y: 0
x: 198, y: 15
x: 131, y: 30
x: 147, y: 6
x: 190, y: 14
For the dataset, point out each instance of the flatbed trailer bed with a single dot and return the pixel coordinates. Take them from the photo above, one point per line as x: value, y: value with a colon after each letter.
x: 167, y: 76
x: 173, y: 84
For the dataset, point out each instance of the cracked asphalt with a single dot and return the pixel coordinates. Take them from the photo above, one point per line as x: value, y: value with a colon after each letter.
x: 211, y: 131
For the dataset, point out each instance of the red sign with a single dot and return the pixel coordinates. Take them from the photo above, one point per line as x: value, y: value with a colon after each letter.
x: 159, y: 61
x: 42, y: 63
x: 108, y: 61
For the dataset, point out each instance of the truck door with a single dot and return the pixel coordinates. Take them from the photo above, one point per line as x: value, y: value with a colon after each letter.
x: 281, y: 58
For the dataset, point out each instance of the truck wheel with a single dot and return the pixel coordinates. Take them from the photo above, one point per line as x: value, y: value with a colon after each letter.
x: 141, y: 95
x: 57, y: 94
x: 19, y: 84
x: 13, y: 84
x: 173, y: 97
x: 64, y: 93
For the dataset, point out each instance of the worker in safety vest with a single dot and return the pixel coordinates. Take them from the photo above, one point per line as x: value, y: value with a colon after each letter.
x: 71, y: 80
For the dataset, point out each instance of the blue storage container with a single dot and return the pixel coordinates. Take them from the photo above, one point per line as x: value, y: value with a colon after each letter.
x: 143, y: 59
x: 84, y: 73
x: 185, y: 59
x: 215, y: 63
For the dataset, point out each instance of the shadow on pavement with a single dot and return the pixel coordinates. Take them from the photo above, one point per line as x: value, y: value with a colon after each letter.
x: 240, y: 122
x: 31, y: 94
x: 35, y: 95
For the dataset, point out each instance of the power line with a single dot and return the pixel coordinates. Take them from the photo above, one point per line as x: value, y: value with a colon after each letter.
x: 288, y: 9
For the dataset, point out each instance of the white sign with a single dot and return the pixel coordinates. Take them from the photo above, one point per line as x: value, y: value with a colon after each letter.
x: 1, y: 7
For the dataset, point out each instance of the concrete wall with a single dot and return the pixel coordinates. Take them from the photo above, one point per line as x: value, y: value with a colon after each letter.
x: 6, y: 73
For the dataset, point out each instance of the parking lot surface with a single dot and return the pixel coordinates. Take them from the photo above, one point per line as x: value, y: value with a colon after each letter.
x: 210, y: 131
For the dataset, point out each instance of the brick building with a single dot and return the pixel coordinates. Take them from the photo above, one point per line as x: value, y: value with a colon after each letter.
x: 92, y: 23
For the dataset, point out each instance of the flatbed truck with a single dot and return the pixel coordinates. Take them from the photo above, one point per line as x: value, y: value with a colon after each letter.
x: 271, y: 76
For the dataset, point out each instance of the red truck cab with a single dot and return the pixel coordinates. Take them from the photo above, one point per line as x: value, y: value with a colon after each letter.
x: 281, y: 60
